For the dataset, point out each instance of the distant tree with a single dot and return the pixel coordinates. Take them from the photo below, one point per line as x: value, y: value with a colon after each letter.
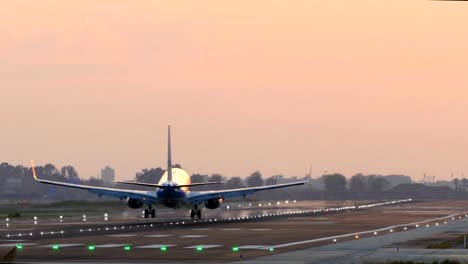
x: 377, y: 184
x: 216, y: 178
x: 358, y: 183
x: 234, y: 183
x: 69, y: 173
x: 197, y: 178
x: 152, y: 175
x: 456, y: 183
x: 95, y: 182
x: 274, y: 179
x: 254, y: 180
x: 334, y: 182
x: 178, y: 166
x: 464, y: 183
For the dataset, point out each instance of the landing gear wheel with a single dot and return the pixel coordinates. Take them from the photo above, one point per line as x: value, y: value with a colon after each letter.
x: 199, y: 214
x: 147, y: 212
x: 153, y: 213
x: 192, y: 213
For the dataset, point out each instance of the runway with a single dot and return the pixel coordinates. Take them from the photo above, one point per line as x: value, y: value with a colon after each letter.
x: 223, y: 239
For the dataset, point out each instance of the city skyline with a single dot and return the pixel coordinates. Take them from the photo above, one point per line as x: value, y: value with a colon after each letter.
x: 352, y: 86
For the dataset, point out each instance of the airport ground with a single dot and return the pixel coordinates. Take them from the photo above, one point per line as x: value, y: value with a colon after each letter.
x: 285, y: 232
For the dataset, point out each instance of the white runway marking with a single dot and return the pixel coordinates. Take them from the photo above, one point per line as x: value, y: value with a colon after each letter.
x: 156, y: 246
x: 14, y: 245
x: 158, y: 235
x: 122, y: 235
x: 13, y: 240
x: 360, y: 233
x: 253, y: 247
x: 110, y: 245
x: 230, y: 229
x: 63, y: 245
x: 205, y: 246
x: 260, y: 229
x: 202, y: 229
x: 192, y: 236
x: 17, y: 229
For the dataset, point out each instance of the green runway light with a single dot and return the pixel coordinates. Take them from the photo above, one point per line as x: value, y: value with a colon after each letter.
x: 19, y: 246
x: 127, y: 248
x: 91, y: 248
x: 55, y: 247
x: 235, y: 249
x: 271, y: 249
x: 163, y: 248
x: 199, y: 248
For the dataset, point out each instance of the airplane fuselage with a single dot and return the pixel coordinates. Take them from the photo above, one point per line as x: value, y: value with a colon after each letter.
x: 171, y: 197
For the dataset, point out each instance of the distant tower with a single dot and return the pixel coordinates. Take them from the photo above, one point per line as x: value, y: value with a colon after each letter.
x: 107, y: 174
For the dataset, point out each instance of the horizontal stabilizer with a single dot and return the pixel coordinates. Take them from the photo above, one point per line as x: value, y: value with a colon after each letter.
x: 199, y: 184
x: 167, y: 186
x: 141, y: 184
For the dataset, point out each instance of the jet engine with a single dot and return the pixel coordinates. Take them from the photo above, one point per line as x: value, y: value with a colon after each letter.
x: 135, y: 203
x: 214, y: 203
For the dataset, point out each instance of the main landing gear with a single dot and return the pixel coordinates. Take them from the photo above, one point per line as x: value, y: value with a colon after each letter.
x: 195, y: 212
x: 150, y: 211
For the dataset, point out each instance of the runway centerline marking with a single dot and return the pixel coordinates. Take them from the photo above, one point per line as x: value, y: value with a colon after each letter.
x: 155, y: 246
x: 254, y: 247
x: 122, y: 235
x: 205, y: 246
x: 192, y: 236
x: 63, y: 245
x: 230, y: 229
x: 158, y: 236
x: 14, y: 245
x: 260, y: 229
x: 109, y: 245
x: 358, y: 233
x: 201, y: 229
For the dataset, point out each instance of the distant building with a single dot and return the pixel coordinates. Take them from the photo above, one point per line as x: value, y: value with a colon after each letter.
x: 13, y: 185
x: 107, y: 174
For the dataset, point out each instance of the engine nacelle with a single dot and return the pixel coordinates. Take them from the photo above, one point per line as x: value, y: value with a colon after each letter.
x: 135, y: 203
x: 214, y: 203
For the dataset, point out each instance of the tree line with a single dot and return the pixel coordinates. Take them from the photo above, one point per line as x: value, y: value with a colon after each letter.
x: 323, y: 187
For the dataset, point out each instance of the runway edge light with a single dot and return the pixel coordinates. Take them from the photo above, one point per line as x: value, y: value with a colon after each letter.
x: 55, y: 247
x: 19, y: 246
x: 235, y: 249
x: 199, y: 248
x: 91, y: 248
x: 164, y: 248
x: 127, y: 248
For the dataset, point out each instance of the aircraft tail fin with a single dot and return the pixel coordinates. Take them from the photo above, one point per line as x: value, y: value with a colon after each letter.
x: 169, y: 158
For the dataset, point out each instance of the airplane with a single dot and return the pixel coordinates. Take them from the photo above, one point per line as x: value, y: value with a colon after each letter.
x: 172, y: 190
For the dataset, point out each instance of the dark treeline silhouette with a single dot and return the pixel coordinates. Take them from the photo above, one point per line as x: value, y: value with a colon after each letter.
x: 17, y: 184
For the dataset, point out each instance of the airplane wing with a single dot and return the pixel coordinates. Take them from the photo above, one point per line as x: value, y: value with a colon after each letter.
x: 119, y: 193
x: 200, y: 197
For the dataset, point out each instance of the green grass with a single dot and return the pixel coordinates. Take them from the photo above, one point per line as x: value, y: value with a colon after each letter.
x: 447, y: 244
x: 416, y: 262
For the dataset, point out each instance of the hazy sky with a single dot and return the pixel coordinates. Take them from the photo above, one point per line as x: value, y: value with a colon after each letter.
x: 353, y: 86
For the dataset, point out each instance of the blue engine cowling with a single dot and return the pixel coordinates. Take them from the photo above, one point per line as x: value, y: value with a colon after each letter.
x: 135, y: 203
x: 213, y: 203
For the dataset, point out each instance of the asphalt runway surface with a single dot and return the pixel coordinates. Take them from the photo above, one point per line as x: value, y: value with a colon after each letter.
x: 241, y: 234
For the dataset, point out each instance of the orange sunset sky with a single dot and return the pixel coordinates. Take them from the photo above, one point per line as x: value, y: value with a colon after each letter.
x: 353, y: 86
